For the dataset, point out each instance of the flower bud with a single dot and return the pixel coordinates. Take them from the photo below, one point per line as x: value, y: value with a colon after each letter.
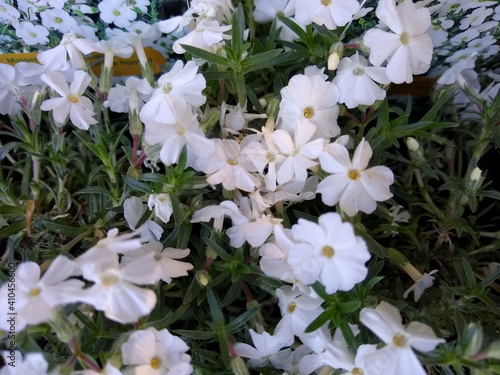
x: 203, y: 277
x: 474, y: 338
x: 494, y: 350
x: 336, y: 53
x: 475, y: 175
x: 238, y: 366
x: 412, y: 144
x: 475, y: 179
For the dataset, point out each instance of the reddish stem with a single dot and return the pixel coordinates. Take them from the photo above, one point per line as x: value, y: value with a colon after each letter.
x: 367, y: 115
x: 352, y: 117
x: 89, y: 363
x: 231, y: 349
x: 352, y: 45
x: 71, y: 361
x: 247, y: 291
x: 208, y: 263
x: 135, y: 141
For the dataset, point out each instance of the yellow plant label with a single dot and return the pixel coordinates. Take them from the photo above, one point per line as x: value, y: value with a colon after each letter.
x: 121, y: 67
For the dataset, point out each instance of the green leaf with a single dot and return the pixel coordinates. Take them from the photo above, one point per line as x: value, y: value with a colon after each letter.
x: 491, y: 194
x: 296, y: 28
x: 215, y: 309
x: 219, y: 250
x: 488, y: 280
x: 374, y: 246
x: 262, y: 60
x: 319, y: 321
x: 216, y: 75
x: 153, y: 177
x: 237, y: 323
x: 237, y: 32
x: 64, y: 230
x: 197, y: 335
x: 349, y: 307
x: 140, y: 186
x: 95, y: 190
x: 208, y: 56
x: 12, y: 229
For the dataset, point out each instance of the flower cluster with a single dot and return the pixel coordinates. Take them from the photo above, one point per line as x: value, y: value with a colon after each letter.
x: 276, y: 179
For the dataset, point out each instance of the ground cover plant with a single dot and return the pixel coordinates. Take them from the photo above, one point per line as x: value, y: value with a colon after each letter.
x: 240, y: 187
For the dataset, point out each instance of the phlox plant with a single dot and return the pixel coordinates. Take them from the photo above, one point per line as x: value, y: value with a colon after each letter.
x: 269, y: 192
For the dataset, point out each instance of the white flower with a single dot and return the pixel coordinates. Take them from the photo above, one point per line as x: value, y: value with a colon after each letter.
x: 328, y: 252
x: 421, y: 284
x: 205, y: 35
x: 130, y: 97
x: 310, y: 98
x: 184, y: 130
x: 36, y: 296
x: 356, y: 81
x: 158, y: 263
x: 27, y: 364
x: 156, y: 353
x: 351, y: 185
x: 32, y: 34
x: 117, y: 12
x: 258, y: 231
x: 59, y: 20
x: 300, y: 153
x: 119, y: 244
x: 475, y: 18
x: 182, y: 82
x: 133, y: 209
x: 109, y: 369
x: 267, y: 348
x: 9, y: 91
x: 397, y: 355
x: 9, y: 13
x: 79, y: 108
x: 228, y: 166
x: 330, y: 13
x: 274, y: 256
x: 407, y: 48
x: 72, y: 46
x: 298, y: 310
x: 114, y: 290
x: 162, y: 205
x: 265, y: 11
x: 218, y: 213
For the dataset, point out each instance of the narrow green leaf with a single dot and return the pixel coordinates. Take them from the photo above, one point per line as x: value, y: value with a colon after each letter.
x: 208, y: 56
x: 153, y: 177
x: 237, y: 323
x: 259, y: 59
x: 319, y: 321
x: 215, y: 309
x: 12, y: 229
x: 216, y: 75
x: 140, y: 186
x: 219, y: 250
x: 349, y: 307
x: 95, y: 190
x: 197, y: 335
x: 296, y: 28
x: 64, y: 229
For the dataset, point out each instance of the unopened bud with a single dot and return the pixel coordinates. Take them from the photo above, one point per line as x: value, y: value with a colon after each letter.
x: 273, y: 108
x: 494, y: 350
x: 203, y: 278
x: 336, y: 53
x: 475, y: 175
x: 238, y: 366
x: 412, y: 144
x: 474, y: 339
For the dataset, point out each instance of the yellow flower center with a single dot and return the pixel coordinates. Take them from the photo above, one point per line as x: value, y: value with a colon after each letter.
x: 353, y: 174
x: 155, y: 363
x: 270, y: 157
x: 109, y: 280
x: 35, y: 292
x: 167, y: 88
x: 399, y: 340
x: 308, y: 112
x: 158, y: 257
x: 116, y: 13
x: 32, y: 35
x: 358, y: 71
x: 357, y: 371
x: 327, y: 251
x: 326, y: 2
x: 232, y: 162
x: 291, y: 307
x: 58, y: 20
x: 73, y: 98
x: 405, y: 38
x: 3, y: 9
